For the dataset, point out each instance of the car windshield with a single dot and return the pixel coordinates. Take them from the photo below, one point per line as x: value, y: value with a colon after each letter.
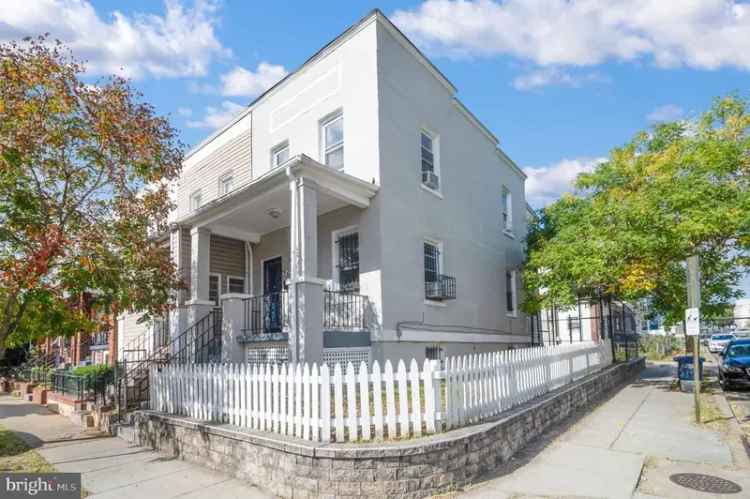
x: 739, y: 351
x: 721, y: 337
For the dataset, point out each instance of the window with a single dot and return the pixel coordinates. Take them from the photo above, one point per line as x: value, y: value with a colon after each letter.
x: 213, y: 288
x: 431, y: 262
x: 434, y: 353
x: 332, y: 134
x: 195, y: 200
x: 430, y: 173
x: 280, y: 154
x: 507, y: 208
x: 226, y: 182
x: 510, y: 292
x: 347, y: 247
x: 235, y: 284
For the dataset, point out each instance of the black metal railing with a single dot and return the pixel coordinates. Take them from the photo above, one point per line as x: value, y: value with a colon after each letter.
x: 79, y: 387
x: 266, y: 314
x: 442, y: 287
x: 342, y: 310
x: 200, y: 343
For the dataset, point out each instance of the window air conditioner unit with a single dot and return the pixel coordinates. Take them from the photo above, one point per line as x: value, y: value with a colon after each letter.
x: 430, y: 180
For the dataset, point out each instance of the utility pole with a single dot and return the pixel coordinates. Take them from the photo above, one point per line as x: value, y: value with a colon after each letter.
x: 694, y: 303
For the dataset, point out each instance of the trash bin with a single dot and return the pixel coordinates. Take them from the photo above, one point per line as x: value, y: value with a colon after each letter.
x: 685, y: 371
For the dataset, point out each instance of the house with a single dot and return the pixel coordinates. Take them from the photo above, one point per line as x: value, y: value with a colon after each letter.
x: 357, y: 210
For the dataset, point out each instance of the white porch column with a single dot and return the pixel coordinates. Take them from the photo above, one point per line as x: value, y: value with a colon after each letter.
x: 233, y: 320
x: 306, y: 291
x: 200, y: 245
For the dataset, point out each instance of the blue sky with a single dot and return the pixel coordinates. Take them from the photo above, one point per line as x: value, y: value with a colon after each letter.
x: 559, y: 83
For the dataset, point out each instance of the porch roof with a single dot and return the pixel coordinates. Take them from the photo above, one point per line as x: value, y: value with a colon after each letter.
x: 262, y: 205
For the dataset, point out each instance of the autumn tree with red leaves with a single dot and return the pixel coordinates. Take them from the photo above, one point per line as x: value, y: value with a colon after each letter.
x: 84, y: 179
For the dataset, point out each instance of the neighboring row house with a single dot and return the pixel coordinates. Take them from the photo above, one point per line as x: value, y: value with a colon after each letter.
x: 357, y: 210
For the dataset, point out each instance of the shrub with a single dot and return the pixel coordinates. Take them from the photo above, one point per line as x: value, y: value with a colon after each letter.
x: 94, y: 373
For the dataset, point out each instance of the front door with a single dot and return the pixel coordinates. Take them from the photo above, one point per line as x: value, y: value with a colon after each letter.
x: 272, y: 295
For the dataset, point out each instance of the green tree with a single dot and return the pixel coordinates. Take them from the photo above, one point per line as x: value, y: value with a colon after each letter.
x: 84, y: 174
x: 679, y: 190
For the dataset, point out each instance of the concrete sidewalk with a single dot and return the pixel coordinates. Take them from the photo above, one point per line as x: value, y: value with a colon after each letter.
x: 628, y: 447
x: 110, y: 467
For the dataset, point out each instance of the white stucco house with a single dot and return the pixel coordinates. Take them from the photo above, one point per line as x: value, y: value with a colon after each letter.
x: 356, y: 210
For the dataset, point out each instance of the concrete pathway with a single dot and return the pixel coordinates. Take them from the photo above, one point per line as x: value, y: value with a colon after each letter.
x: 628, y: 447
x: 110, y: 467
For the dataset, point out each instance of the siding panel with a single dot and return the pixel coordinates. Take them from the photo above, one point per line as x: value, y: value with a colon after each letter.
x: 234, y: 156
x: 227, y: 258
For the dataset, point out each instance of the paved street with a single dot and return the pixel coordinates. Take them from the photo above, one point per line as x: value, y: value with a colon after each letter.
x: 628, y: 447
x: 110, y: 467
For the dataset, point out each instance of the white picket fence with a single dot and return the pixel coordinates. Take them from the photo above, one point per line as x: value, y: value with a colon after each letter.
x: 344, y: 404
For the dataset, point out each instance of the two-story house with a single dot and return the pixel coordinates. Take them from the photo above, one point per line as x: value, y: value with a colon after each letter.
x: 356, y: 210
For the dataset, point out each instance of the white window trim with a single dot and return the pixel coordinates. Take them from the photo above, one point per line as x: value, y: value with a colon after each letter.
x: 244, y: 282
x: 441, y: 269
x: 508, y: 207
x: 435, y: 160
x: 335, y: 235
x: 277, y: 149
x: 193, y: 195
x: 326, y: 120
x: 514, y: 293
x: 223, y: 178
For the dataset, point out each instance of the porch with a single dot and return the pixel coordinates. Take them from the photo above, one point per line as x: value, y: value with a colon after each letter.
x: 281, y: 257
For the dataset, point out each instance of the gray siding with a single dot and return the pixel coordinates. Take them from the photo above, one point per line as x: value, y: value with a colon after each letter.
x: 227, y: 258
x: 234, y: 156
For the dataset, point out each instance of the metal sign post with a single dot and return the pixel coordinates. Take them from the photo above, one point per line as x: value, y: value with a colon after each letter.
x: 693, y: 326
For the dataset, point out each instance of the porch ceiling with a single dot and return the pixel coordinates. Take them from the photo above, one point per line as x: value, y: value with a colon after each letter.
x: 263, y: 205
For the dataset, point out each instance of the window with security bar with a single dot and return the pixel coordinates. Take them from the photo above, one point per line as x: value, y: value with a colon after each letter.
x: 213, y: 288
x: 348, y: 264
x: 436, y: 285
x: 431, y: 262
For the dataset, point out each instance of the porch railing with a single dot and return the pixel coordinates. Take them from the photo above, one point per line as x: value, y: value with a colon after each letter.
x: 342, y: 310
x: 266, y: 314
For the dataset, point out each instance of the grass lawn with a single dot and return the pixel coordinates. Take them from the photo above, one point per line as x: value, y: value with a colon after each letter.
x: 16, y: 455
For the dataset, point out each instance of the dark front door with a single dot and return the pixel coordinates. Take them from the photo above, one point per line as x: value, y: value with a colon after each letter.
x: 272, y: 295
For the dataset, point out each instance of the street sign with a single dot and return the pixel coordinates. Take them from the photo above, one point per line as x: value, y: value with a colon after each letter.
x: 692, y: 322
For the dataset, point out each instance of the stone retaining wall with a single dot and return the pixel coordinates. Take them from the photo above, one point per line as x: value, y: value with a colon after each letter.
x: 290, y: 467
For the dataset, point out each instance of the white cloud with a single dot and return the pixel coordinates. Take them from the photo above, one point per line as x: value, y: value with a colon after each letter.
x: 216, y: 117
x: 541, y: 77
x: 240, y: 82
x: 182, y: 42
x: 704, y: 34
x: 668, y: 112
x: 184, y: 112
x: 545, y: 184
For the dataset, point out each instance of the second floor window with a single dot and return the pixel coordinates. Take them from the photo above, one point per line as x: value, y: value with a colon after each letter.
x: 507, y: 210
x: 195, y: 200
x: 427, y: 150
x: 332, y: 132
x: 280, y: 154
x: 226, y: 183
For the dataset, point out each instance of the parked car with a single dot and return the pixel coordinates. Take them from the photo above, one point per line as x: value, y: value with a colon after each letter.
x: 734, y: 369
x: 718, y: 341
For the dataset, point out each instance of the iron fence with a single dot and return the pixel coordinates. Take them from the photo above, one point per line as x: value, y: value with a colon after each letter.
x: 80, y: 387
x: 266, y: 314
x: 342, y: 310
x: 588, y: 320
